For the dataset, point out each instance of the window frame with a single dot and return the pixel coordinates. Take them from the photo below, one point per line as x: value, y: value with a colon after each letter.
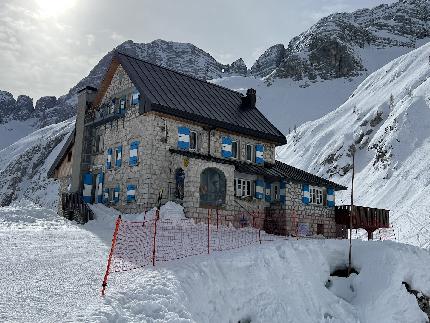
x: 316, y: 195
x: 235, y: 143
x: 252, y: 153
x: 276, y: 196
x: 195, y: 141
x: 244, y: 187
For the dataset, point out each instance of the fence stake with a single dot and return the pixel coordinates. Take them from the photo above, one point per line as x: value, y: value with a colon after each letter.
x: 217, y: 219
x: 209, y: 220
x: 157, y: 215
x: 115, y: 233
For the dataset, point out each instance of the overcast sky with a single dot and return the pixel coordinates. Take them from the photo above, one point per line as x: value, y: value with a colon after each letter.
x: 47, y: 46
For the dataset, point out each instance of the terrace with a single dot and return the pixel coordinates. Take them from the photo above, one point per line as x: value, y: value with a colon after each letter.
x: 369, y: 219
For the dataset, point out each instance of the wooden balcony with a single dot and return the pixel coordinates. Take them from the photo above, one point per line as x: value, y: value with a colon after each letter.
x: 363, y: 217
x: 104, y: 114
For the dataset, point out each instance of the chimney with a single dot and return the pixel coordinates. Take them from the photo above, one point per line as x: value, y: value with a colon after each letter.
x: 85, y: 97
x: 248, y: 101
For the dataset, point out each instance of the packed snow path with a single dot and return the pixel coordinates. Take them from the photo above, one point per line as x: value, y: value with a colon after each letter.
x: 51, y: 271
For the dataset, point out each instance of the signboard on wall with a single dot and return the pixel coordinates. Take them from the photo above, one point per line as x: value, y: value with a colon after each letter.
x: 303, y: 229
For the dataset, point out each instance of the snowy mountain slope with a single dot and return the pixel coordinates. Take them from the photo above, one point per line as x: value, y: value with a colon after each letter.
x: 387, y: 119
x: 287, y: 103
x: 52, y: 272
x: 332, y: 48
x: 24, y: 166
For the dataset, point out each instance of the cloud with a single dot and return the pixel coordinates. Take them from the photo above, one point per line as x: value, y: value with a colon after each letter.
x: 90, y: 39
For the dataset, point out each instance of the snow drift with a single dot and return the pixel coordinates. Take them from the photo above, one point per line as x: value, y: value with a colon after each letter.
x: 52, y: 271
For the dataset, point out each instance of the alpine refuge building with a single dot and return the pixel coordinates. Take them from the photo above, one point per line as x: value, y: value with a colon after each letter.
x: 149, y: 132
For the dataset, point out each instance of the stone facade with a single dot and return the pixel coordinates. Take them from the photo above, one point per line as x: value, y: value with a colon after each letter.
x: 157, y: 135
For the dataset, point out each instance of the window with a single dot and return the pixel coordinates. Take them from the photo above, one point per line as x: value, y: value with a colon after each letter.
x: 97, y: 144
x: 212, y: 187
x: 275, y: 192
x: 320, y: 229
x: 243, y: 187
x: 193, y: 140
x: 179, y: 180
x: 112, y: 106
x: 315, y: 195
x: 234, y: 146
x: 249, y: 153
x: 69, y: 156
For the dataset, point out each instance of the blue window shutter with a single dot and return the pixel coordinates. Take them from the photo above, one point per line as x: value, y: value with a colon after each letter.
x: 259, y: 189
x: 100, y: 182
x: 88, y: 186
x: 134, y: 153
x: 116, y: 194
x: 226, y: 147
x: 259, y: 154
x: 330, y: 197
x: 105, y: 196
x: 118, y: 160
x: 183, y: 138
x: 109, y: 158
x: 268, y: 192
x: 135, y: 98
x: 283, y: 191
x: 306, y: 194
x: 131, y: 193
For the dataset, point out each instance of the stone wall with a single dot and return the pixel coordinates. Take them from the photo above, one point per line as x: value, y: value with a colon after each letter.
x: 298, y: 212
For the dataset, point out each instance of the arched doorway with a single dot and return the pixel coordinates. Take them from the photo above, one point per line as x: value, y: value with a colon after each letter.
x: 213, y: 187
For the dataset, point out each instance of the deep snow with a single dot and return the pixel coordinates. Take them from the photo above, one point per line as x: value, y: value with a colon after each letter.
x: 392, y: 169
x: 52, y: 269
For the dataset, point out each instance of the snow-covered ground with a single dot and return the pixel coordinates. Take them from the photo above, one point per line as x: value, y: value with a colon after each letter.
x: 51, y: 271
x: 387, y: 118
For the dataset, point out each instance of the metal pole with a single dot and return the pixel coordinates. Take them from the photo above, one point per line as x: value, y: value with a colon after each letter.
x: 209, y: 220
x: 352, y: 210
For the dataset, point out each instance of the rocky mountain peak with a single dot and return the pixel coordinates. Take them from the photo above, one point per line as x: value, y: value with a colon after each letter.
x: 238, y: 67
x: 268, y: 61
x: 333, y: 47
x: 46, y: 103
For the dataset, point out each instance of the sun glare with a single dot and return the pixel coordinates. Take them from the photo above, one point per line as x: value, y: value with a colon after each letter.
x: 49, y: 8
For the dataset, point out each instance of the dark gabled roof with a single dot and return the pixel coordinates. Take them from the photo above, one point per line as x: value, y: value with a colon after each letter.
x: 299, y: 175
x: 187, y: 97
x: 60, y: 157
x: 275, y: 171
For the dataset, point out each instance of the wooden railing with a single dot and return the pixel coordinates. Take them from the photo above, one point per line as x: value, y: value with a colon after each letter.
x: 75, y: 208
x: 363, y: 217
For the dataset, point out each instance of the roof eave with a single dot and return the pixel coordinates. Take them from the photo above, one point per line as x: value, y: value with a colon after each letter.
x: 279, y: 140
